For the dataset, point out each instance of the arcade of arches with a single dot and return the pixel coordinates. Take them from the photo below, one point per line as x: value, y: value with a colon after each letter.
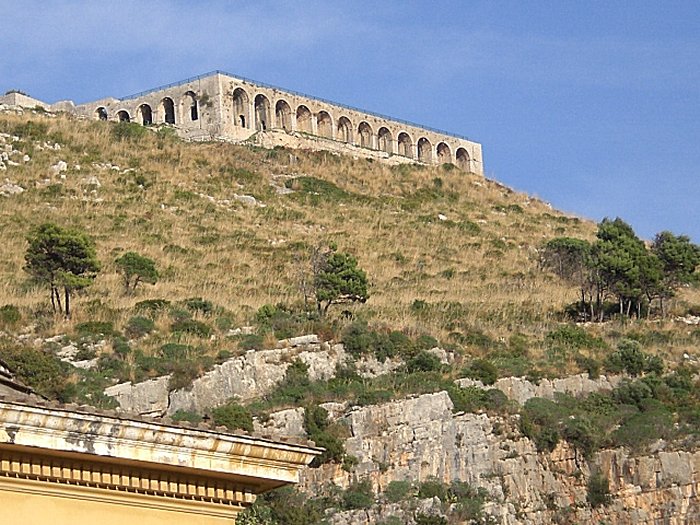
x: 257, y: 109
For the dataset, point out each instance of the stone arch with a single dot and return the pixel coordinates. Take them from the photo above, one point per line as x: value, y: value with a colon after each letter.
x: 241, y: 108
x: 123, y: 116
x: 444, y: 154
x: 344, y: 130
x: 405, y: 144
x: 425, y: 150
x: 385, y: 140
x: 283, y: 115
x: 262, y: 112
x: 324, y: 124
x: 101, y: 113
x: 190, y: 107
x: 146, y: 114
x: 364, y: 130
x: 303, y: 119
x: 168, y: 110
x: 463, y: 159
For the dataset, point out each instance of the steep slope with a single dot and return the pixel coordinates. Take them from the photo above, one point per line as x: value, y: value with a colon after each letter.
x: 453, y: 264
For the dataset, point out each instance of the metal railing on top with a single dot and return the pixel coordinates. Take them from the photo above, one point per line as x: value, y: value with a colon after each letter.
x: 295, y: 93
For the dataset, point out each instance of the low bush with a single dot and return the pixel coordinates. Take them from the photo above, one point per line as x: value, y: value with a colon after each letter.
x: 95, y: 328
x: 358, y: 495
x: 598, y: 490
x: 397, y: 491
x: 152, y: 306
x: 233, y: 416
x: 191, y: 327
x: 324, y: 434
x: 423, y: 362
x: 138, y: 327
x: 481, y: 370
x: 42, y: 371
x: 630, y: 358
x: 186, y: 415
x: 9, y: 315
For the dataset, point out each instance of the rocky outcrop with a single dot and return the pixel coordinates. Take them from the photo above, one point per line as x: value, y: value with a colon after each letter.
x: 245, y: 377
x: 420, y: 438
x: 520, y: 389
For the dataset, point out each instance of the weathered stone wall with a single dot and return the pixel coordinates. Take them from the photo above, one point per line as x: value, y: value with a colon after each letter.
x: 222, y: 106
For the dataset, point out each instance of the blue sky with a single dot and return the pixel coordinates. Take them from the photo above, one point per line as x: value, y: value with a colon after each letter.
x: 593, y: 106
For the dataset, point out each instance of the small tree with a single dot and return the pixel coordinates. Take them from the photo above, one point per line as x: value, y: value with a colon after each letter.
x: 136, y: 269
x: 338, y: 280
x: 61, y: 258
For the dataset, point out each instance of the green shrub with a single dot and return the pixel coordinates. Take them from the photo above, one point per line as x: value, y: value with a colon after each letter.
x: 42, y: 371
x: 540, y: 421
x: 9, y: 315
x: 324, y: 434
x: 152, y: 306
x: 175, y: 351
x: 423, y: 362
x: 186, y: 415
x: 432, y: 488
x: 95, y: 328
x: 192, y: 327
x: 358, y: 495
x: 397, y: 491
x: 429, y: 519
x: 139, y: 326
x: 630, y: 358
x: 582, y: 434
x: 251, y: 342
x: 128, y: 131
x: 482, y: 370
x: 182, y: 373
x: 233, y: 416
x: 573, y: 337
x: 199, y: 305
x: 598, y: 490
x: 426, y: 342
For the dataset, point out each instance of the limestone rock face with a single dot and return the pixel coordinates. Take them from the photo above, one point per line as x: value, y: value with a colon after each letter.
x: 520, y: 389
x: 419, y: 438
x: 245, y: 377
x: 148, y: 397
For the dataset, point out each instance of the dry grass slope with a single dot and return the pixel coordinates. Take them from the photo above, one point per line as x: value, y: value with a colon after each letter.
x: 445, y: 251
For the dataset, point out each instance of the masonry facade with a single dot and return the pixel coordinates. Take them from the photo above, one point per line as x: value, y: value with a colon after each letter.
x: 221, y: 106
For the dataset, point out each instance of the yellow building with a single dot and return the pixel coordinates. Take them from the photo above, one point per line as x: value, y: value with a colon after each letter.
x: 72, y: 465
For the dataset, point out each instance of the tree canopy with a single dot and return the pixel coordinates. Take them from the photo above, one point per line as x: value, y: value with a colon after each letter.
x: 619, y: 265
x: 61, y: 258
x: 338, y: 279
x: 135, y: 269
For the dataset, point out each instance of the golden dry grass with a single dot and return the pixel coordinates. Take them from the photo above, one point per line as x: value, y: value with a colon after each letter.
x: 475, y: 269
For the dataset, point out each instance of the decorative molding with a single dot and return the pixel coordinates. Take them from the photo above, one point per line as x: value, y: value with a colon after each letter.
x: 122, y: 478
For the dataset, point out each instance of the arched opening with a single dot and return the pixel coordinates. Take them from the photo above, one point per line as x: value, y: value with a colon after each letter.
x: 146, y: 114
x: 405, y: 145
x: 324, y: 125
x: 123, y: 116
x: 344, y: 133
x: 463, y: 160
x: 262, y: 112
x: 303, y: 119
x: 101, y: 113
x: 364, y: 130
x: 384, y: 140
x: 283, y: 115
x: 425, y: 150
x: 190, y: 107
x: 241, y: 108
x: 168, y: 110
x: 444, y: 154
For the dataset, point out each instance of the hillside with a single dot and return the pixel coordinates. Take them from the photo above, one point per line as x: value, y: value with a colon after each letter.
x: 452, y: 261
